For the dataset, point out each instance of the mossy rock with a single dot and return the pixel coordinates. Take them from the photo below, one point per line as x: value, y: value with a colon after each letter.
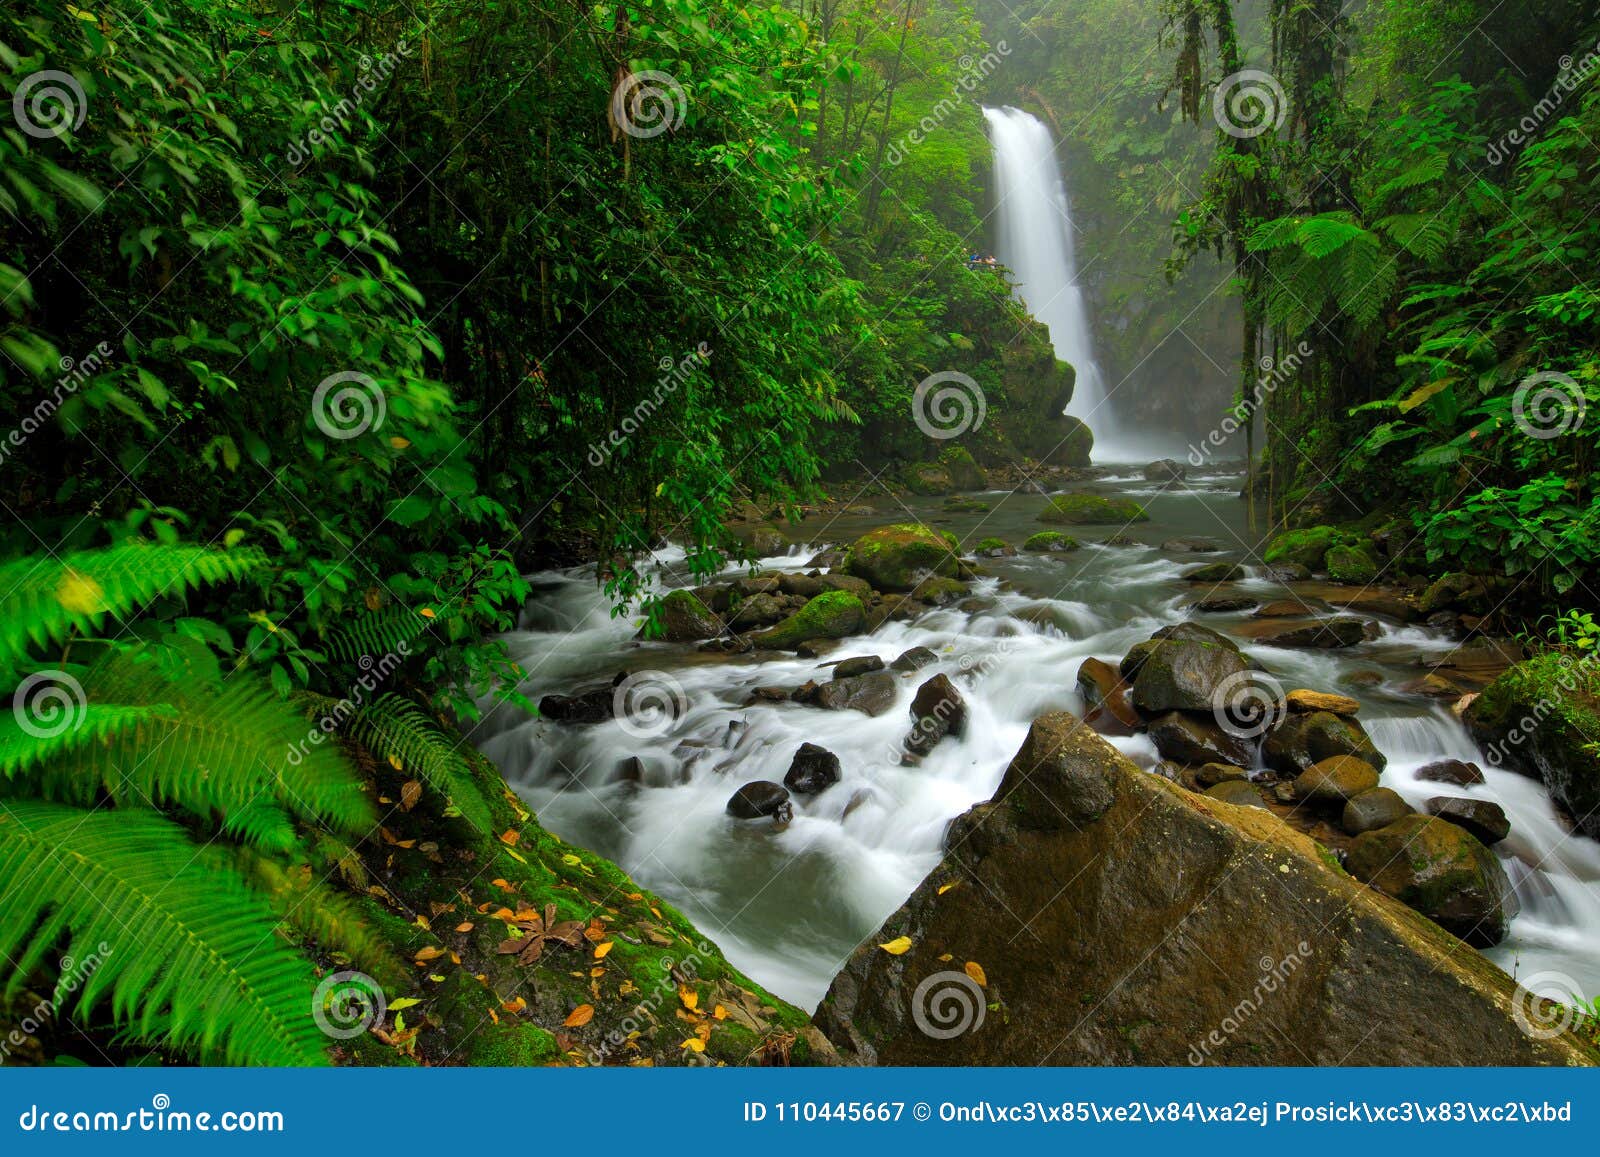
x: 1351, y: 564
x: 896, y: 558
x: 1049, y: 541
x: 962, y: 469
x: 967, y: 506
x: 1083, y: 509
x: 989, y: 544
x: 684, y: 618
x: 928, y: 480
x: 831, y: 615
x: 1308, y: 548
x: 1440, y: 870
x: 1215, y: 572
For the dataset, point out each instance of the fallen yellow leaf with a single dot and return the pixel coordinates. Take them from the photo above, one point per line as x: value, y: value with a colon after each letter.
x: 579, y: 1016
x: 943, y: 888
x: 694, y: 1044
x: 898, y: 946
x: 510, y: 836
x: 975, y: 970
x: 427, y: 954
x: 601, y: 949
x: 689, y: 996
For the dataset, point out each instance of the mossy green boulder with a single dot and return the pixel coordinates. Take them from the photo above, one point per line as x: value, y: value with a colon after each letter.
x: 1440, y: 870
x: 928, y: 479
x: 1351, y: 564
x: 1084, y: 509
x: 896, y: 558
x: 1048, y: 541
x: 1308, y: 548
x: 963, y: 469
x: 831, y: 615
x: 684, y: 618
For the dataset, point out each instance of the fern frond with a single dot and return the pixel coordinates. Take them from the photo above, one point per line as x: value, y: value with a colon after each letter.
x: 187, y: 954
x: 92, y: 723
x: 1423, y: 172
x: 384, y: 632
x: 1424, y: 235
x: 43, y: 600
x: 1328, y: 233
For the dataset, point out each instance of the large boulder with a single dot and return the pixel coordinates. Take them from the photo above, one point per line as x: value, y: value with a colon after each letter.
x: 1539, y: 718
x: 928, y: 479
x: 831, y: 615
x: 1483, y: 818
x: 1302, y: 740
x: 937, y: 710
x: 1197, y: 739
x: 1442, y: 871
x: 1186, y: 674
x: 897, y: 558
x: 1323, y: 634
x: 684, y: 618
x: 1166, y: 472
x: 1335, y: 782
x: 1368, y: 811
x: 1106, y: 698
x: 1351, y: 564
x: 871, y: 694
x: 1085, y: 509
x: 1307, y: 548
x: 962, y: 469
x: 1116, y: 919
x: 1050, y: 542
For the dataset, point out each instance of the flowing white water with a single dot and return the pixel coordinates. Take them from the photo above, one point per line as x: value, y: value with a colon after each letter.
x: 788, y: 906
x: 1035, y: 241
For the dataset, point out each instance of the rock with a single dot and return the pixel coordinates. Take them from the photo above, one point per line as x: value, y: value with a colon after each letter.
x: 1302, y: 740
x: 1539, y: 718
x: 859, y: 665
x: 816, y: 648
x: 1441, y: 871
x: 1119, y: 540
x: 897, y: 558
x: 761, y: 798
x: 1214, y: 773
x: 766, y: 541
x: 1050, y: 541
x: 1368, y: 811
x: 966, y: 506
x: 630, y: 770
x: 802, y: 585
x: 1190, y: 546
x: 1481, y: 817
x: 1430, y: 686
x: 1324, y: 634
x: 927, y: 479
x: 1121, y: 920
x: 756, y: 584
x: 1334, y: 782
x: 827, y: 558
x: 847, y: 583
x: 1184, y: 675
x: 1237, y: 792
x: 1376, y: 602
x: 684, y: 618
x: 939, y: 592
x: 1085, y: 509
x: 1284, y: 609
x: 594, y: 705
x: 1351, y: 564
x: 1454, y: 771
x: 757, y: 611
x: 1190, y: 739
x: 1224, y: 605
x: 994, y: 548
x: 870, y: 694
x: 1106, y: 698
x: 937, y: 710
x: 832, y: 615
x: 1459, y: 592
x: 1363, y: 678
x: 769, y: 694
x: 1307, y: 548
x: 1308, y: 701
x: 962, y: 469
x: 1165, y: 471
x: 1214, y: 572
x: 1288, y: 572
x: 813, y: 770
x: 915, y: 659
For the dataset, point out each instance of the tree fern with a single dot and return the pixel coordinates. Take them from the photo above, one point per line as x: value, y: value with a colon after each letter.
x: 44, y: 599
x: 192, y: 957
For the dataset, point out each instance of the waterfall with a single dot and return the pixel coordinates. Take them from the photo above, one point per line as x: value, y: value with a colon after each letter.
x: 1035, y: 242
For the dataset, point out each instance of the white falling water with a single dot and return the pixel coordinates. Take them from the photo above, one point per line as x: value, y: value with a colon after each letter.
x: 1035, y: 242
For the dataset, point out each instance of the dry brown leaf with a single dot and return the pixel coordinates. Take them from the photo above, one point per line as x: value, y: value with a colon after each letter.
x: 510, y: 836
x: 410, y: 794
x: 429, y: 953
x: 465, y: 926
x: 579, y: 1016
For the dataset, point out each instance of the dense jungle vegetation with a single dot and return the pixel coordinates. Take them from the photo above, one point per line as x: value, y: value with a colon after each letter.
x: 320, y: 322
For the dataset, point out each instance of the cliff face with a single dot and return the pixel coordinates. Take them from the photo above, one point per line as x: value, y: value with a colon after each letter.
x: 1094, y: 914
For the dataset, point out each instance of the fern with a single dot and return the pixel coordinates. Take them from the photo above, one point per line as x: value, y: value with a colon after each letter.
x: 384, y: 632
x: 47, y: 599
x: 189, y: 956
